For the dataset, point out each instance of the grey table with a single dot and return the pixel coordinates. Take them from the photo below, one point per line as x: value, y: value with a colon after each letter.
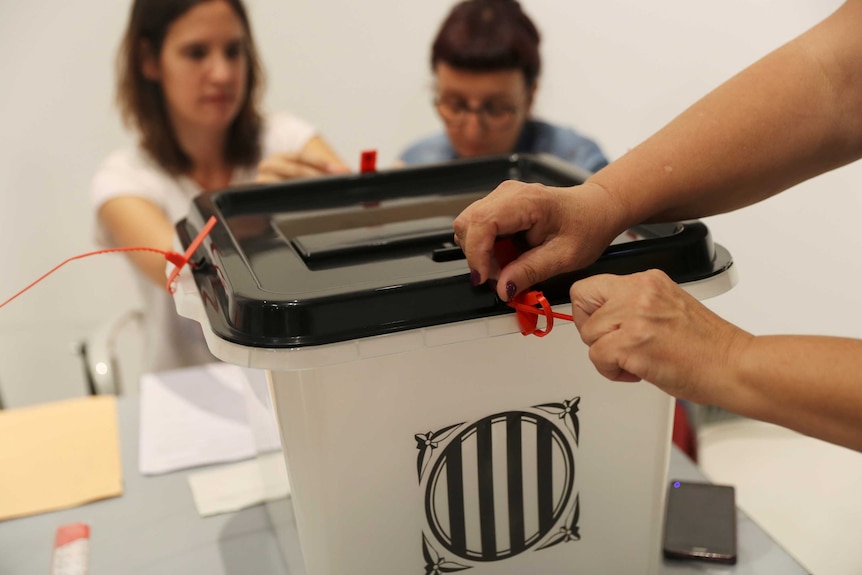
x: 154, y: 529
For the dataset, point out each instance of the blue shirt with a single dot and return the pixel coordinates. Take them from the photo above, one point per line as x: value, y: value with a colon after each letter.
x: 536, y: 137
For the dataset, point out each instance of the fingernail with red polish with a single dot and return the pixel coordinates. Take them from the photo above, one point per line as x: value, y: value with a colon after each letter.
x: 510, y: 290
x: 475, y: 278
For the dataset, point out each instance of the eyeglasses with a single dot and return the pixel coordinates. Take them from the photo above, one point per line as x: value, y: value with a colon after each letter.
x: 491, y: 114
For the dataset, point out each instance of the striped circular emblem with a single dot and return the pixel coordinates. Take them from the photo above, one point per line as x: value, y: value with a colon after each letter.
x: 500, y: 486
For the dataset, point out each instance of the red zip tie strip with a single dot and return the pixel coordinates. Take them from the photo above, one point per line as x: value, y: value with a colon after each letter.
x: 368, y: 162
x: 179, y: 260
x: 205, y: 231
x: 525, y: 303
x: 528, y: 315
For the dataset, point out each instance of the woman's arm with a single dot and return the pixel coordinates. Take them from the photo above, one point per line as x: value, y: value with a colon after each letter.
x: 315, y: 159
x: 318, y: 148
x: 790, y: 116
x: 794, y: 114
x: 644, y: 326
x: 807, y: 383
x: 133, y: 221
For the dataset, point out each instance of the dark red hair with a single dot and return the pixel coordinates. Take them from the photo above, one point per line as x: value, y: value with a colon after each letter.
x: 486, y: 36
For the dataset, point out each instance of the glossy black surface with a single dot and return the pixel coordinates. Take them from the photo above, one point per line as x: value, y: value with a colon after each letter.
x: 332, y: 259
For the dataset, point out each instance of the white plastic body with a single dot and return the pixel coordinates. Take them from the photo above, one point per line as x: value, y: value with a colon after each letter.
x: 349, y: 414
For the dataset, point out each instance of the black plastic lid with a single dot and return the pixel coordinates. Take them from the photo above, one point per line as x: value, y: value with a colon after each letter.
x: 311, y: 262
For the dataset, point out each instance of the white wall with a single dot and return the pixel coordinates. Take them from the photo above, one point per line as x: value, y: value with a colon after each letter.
x: 615, y: 69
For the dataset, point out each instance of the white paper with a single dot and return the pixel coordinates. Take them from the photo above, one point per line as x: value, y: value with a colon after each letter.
x: 200, y: 416
x: 236, y: 486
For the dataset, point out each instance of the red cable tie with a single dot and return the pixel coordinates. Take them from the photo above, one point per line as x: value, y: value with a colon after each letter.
x: 184, y: 259
x: 535, y: 311
x: 528, y: 315
x: 167, y: 255
x: 175, y: 258
x: 178, y: 260
x: 525, y: 303
x: 368, y: 162
x: 505, y: 251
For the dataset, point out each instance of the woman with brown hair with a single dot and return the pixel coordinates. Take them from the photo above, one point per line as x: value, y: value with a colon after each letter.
x: 486, y: 63
x: 189, y: 82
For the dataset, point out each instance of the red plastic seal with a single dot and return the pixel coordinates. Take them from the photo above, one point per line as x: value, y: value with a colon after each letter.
x: 525, y: 304
x: 368, y: 161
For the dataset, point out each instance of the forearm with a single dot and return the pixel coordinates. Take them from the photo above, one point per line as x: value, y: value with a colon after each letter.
x: 807, y: 383
x: 792, y: 115
x: 152, y: 265
x: 134, y: 222
x: 320, y: 149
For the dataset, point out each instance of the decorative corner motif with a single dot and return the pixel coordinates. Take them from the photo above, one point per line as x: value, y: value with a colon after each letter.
x: 435, y: 564
x: 426, y: 443
x: 567, y: 411
x: 568, y: 532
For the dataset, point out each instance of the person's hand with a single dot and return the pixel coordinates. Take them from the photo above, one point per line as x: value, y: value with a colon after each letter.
x: 565, y: 229
x: 644, y: 326
x: 289, y: 165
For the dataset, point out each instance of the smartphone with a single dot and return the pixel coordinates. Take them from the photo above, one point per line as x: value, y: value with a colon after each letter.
x: 700, y: 522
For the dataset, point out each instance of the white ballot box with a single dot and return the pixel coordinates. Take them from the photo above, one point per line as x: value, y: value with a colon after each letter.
x: 423, y: 432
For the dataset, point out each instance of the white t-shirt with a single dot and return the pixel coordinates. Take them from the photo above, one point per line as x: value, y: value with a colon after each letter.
x: 174, y: 341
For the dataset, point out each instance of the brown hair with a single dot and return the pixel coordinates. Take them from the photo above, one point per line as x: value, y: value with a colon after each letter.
x: 141, y: 101
x: 488, y: 35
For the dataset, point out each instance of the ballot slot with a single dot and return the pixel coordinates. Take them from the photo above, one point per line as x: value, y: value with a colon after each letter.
x: 385, y: 230
x: 386, y: 240
x: 393, y: 229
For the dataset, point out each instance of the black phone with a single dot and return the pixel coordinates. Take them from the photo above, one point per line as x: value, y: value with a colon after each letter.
x: 700, y: 522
